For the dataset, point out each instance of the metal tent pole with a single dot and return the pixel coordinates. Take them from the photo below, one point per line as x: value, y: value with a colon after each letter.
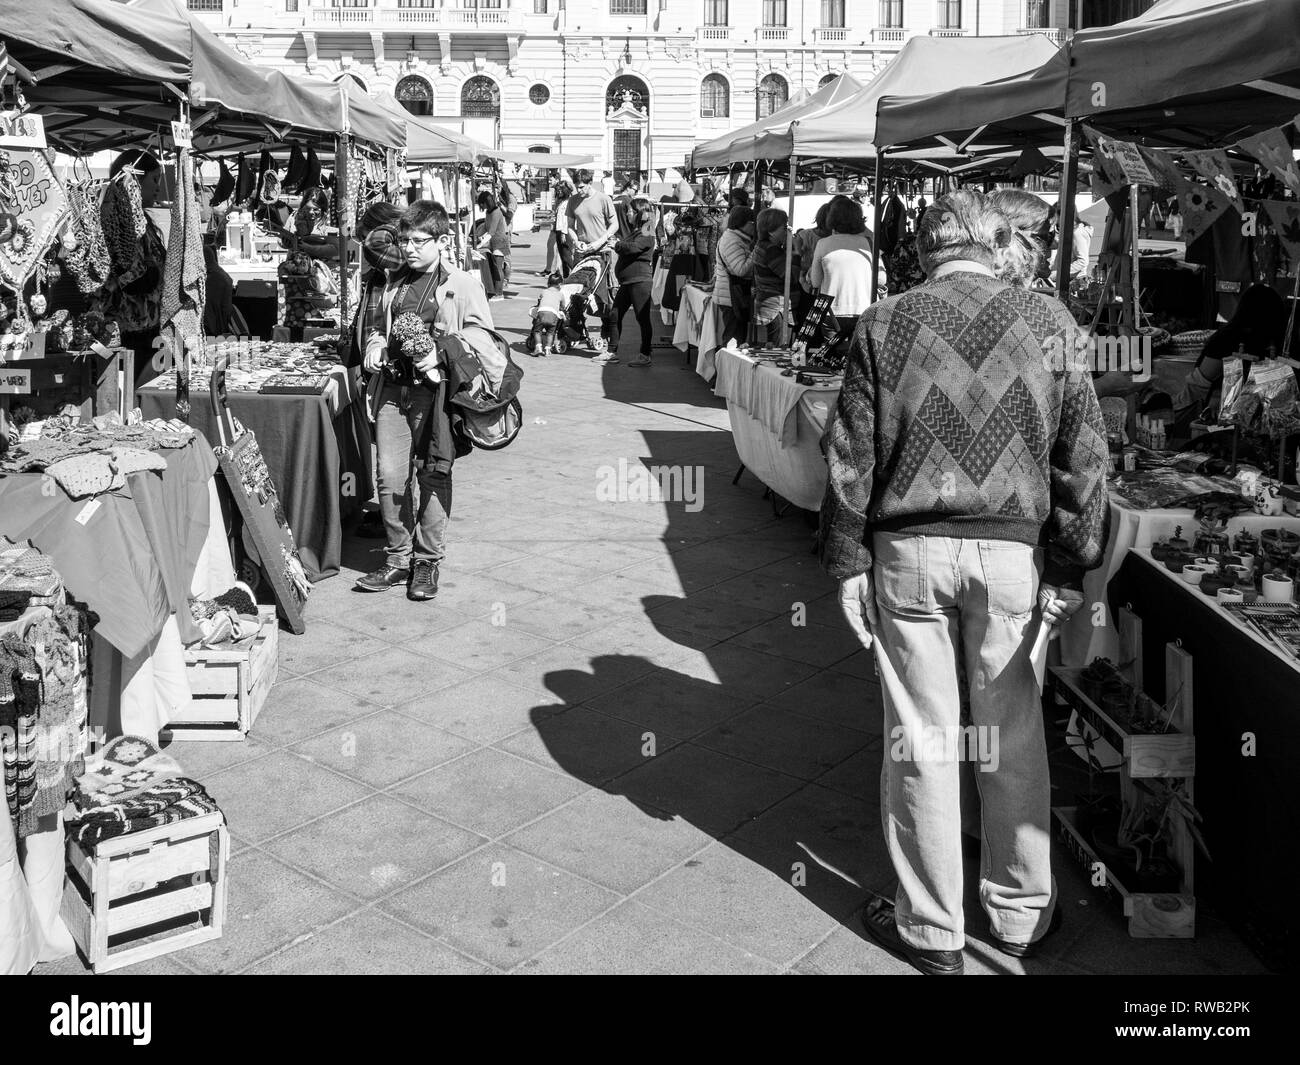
x: 1065, y: 212
x: 875, y: 242
x: 789, y: 247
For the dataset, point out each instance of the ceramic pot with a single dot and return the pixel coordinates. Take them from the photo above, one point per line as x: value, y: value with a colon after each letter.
x: 1193, y: 574
x: 1277, y: 589
x: 1230, y: 595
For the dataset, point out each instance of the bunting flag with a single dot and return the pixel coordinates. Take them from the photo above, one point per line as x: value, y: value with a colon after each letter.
x: 1217, y: 171
x: 1106, y: 172
x: 1273, y: 150
x: 1164, y: 172
x: 1285, y: 217
x: 1202, y: 207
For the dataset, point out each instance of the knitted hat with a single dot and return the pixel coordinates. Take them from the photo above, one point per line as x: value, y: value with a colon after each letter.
x: 381, y: 249
x: 246, y: 184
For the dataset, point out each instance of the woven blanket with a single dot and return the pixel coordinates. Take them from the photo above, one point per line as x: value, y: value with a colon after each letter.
x: 127, y: 766
x: 167, y: 803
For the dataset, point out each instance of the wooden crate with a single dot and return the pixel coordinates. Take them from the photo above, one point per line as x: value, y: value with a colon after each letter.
x: 229, y: 687
x: 150, y: 893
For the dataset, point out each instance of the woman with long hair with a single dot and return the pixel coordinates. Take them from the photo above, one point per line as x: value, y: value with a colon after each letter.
x: 805, y: 243
x: 559, y: 258
x: 634, y: 271
x: 768, y: 259
x: 494, y: 241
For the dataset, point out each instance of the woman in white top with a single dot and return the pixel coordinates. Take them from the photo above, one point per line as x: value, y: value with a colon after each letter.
x: 841, y: 263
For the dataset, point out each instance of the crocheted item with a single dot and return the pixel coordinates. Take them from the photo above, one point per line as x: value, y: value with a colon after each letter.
x: 20, y: 686
x: 87, y: 475
x: 184, y: 284
x: 170, y: 802
x: 117, y: 223
x: 123, y: 769
x: 237, y: 599
x: 88, y: 262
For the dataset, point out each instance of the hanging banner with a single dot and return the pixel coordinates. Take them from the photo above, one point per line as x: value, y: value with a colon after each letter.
x: 1107, y: 174
x: 1164, y: 172
x: 1217, y: 171
x: 33, y: 206
x: 1273, y: 151
x: 1285, y: 217
x: 1202, y: 207
x: 1122, y: 161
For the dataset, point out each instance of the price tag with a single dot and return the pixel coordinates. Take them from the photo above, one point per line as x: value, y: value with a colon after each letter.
x: 182, y: 137
x: 87, y: 512
x: 15, y: 382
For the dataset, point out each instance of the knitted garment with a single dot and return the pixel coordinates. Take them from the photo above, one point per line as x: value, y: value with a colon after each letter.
x: 89, y: 262
x: 20, y: 700
x: 117, y: 222
x: 951, y: 423
x: 184, y: 286
x: 166, y: 803
x: 125, y: 767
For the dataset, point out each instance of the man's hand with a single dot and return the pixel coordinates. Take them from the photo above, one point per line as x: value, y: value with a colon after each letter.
x: 1058, y: 604
x: 376, y: 356
x: 858, y: 601
x: 428, y: 365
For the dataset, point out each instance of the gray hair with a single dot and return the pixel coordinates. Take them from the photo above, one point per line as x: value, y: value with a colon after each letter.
x: 1029, y: 217
x: 961, y: 225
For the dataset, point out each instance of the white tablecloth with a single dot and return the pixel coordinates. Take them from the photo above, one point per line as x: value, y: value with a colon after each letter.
x: 1082, y: 639
x: 697, y: 326
x: 777, y: 425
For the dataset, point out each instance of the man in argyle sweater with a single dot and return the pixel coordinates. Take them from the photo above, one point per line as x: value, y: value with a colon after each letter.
x: 967, y: 498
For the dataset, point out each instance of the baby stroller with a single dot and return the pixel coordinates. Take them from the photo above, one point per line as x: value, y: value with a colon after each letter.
x: 594, y: 298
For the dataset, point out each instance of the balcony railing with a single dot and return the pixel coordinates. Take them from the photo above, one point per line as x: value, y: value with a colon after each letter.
x: 948, y: 31
x: 1053, y: 33
x: 773, y: 33
x: 715, y: 33
x: 831, y: 34
x: 889, y: 34
x: 407, y: 17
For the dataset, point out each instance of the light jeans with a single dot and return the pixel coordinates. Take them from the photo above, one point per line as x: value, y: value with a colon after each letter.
x: 414, y: 497
x: 957, y: 620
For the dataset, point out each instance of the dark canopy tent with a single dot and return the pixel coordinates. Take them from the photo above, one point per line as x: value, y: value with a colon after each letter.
x: 1132, y: 80
x: 106, y: 73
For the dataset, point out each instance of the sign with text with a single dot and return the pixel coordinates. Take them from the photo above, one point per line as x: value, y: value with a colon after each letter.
x: 21, y: 130
x: 31, y: 192
x: 15, y: 347
x: 15, y: 382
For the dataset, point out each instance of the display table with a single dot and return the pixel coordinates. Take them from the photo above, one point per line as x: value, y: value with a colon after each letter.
x: 698, y: 327
x: 1246, y: 702
x: 134, y: 556
x: 1082, y: 639
x: 317, y: 448
x: 777, y: 425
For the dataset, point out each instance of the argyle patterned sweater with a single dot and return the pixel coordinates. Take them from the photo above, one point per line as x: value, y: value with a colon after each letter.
x: 952, y: 423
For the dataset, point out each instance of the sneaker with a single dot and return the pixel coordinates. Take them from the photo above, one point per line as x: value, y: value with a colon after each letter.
x: 641, y: 360
x: 604, y: 360
x: 383, y: 578
x: 546, y: 353
x: 424, y: 581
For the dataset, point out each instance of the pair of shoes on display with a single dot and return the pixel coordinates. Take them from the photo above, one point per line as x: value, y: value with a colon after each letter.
x: 421, y: 580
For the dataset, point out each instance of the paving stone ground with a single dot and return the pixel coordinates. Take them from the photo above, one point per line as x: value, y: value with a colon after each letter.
x: 605, y: 748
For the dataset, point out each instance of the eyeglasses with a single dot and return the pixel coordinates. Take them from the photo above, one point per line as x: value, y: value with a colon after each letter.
x: 415, y: 242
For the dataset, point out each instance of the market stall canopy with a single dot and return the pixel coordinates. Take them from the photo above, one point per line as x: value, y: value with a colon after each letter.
x: 846, y: 129
x: 738, y: 145
x: 540, y: 160
x: 427, y: 142
x: 152, y: 51
x: 1132, y: 79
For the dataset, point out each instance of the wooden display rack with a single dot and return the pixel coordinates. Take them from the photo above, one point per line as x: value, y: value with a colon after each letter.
x: 98, y: 383
x: 229, y: 687
x: 139, y: 896
x: 1151, y: 915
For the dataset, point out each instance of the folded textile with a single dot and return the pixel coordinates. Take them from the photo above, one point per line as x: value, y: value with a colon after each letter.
x: 169, y: 801
x: 125, y: 767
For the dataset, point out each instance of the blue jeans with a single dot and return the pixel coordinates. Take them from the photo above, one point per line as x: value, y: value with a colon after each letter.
x: 414, y: 497
x: 957, y: 621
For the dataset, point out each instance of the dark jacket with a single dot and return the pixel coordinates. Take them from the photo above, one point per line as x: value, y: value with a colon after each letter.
x: 635, y: 254
x: 769, y: 270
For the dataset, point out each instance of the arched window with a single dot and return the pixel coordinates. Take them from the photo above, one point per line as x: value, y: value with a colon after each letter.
x: 826, y: 80
x: 357, y: 80
x: 480, y: 98
x: 540, y: 149
x: 415, y: 94
x: 773, y: 94
x: 715, y: 97
x: 627, y: 89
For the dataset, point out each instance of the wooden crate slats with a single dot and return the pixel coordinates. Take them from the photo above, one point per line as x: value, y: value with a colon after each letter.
x: 229, y: 687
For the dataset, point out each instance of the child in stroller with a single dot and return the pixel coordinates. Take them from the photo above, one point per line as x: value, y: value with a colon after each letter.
x: 548, y: 313
x: 589, y: 277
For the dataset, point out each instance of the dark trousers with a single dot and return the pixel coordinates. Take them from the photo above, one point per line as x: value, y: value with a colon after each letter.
x: 496, y: 275
x: 636, y: 295
x: 735, y: 325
